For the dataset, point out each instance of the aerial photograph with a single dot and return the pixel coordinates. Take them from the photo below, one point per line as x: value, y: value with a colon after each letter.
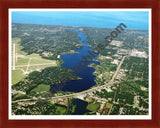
x: 79, y: 62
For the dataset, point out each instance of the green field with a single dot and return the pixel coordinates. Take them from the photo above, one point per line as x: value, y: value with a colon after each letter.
x: 17, y: 75
x: 34, y: 62
x: 41, y: 88
x: 93, y: 107
x: 108, y: 105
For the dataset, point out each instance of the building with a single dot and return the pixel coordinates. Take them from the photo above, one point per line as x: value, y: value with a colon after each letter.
x: 137, y: 53
x: 123, y: 52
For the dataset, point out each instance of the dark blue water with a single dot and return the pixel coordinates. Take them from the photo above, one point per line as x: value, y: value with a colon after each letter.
x: 72, y: 60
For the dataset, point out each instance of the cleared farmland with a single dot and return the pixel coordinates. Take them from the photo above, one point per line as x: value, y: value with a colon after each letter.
x: 25, y: 64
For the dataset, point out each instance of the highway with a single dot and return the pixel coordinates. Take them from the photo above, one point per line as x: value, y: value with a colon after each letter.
x: 70, y: 95
x: 83, y: 92
x: 118, y: 68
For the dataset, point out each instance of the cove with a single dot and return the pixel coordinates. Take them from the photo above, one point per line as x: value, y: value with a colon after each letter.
x: 71, y: 60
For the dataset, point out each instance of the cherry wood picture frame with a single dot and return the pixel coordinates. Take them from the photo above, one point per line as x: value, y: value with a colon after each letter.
x: 5, y: 5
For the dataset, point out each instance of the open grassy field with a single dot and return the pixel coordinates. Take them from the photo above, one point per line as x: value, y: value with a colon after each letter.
x: 25, y: 64
x: 41, y: 88
x: 17, y: 75
x: 93, y: 106
x: 108, y: 105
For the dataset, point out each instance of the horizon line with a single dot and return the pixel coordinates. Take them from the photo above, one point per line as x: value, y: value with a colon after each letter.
x: 77, y: 26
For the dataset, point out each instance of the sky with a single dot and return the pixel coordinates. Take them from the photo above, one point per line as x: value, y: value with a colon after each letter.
x: 104, y: 19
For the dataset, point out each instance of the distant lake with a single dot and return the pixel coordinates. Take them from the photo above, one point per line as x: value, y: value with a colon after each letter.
x: 138, y: 20
x: 71, y: 60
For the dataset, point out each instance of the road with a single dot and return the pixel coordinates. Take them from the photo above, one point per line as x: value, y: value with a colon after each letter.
x: 28, y: 64
x: 83, y: 92
x: 118, y: 68
x: 71, y: 95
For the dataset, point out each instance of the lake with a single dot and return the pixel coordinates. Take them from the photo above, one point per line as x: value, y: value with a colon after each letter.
x: 86, y: 74
x: 138, y: 20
